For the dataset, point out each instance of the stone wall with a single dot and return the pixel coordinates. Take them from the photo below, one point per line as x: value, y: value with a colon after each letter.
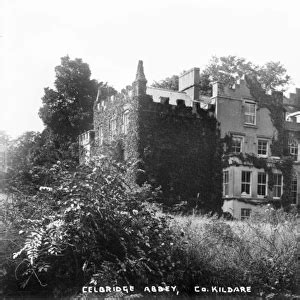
x: 181, y: 151
x: 177, y: 147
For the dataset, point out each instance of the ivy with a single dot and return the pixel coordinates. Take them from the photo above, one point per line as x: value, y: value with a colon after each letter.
x: 285, y: 165
x: 182, y: 152
x: 274, y: 104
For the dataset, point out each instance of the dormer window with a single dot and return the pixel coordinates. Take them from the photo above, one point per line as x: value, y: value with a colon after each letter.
x: 250, y: 113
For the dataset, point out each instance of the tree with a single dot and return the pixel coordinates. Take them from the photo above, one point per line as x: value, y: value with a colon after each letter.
x: 68, y: 109
x: 92, y: 225
x: 226, y: 69
x: 31, y: 156
x: 170, y: 83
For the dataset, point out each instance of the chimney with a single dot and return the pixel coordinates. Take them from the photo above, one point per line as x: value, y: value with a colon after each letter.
x: 217, y: 88
x: 189, y: 83
x: 139, y: 85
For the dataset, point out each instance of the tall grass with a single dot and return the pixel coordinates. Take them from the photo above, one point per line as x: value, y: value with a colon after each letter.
x: 258, y: 252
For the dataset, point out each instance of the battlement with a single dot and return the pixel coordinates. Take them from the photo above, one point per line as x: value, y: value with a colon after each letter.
x: 169, y: 96
x: 178, y: 109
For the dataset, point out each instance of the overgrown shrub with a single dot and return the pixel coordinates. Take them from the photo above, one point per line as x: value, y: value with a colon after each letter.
x: 97, y: 227
x: 259, y: 252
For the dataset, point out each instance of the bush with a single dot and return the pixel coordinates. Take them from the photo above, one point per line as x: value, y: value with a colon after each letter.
x: 96, y: 227
x: 93, y: 225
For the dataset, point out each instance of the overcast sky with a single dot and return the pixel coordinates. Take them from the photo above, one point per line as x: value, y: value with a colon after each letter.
x: 112, y: 35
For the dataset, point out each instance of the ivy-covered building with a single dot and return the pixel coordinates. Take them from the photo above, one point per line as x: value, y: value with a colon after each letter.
x: 172, y: 142
x: 292, y: 128
x: 257, y: 164
x: 229, y: 149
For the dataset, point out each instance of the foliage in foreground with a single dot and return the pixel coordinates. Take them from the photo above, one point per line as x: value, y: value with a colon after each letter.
x: 259, y: 252
x: 94, y: 226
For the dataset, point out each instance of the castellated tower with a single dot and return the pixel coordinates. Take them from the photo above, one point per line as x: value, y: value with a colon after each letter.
x: 172, y: 145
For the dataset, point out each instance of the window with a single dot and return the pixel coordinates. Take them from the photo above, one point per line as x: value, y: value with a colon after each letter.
x: 100, y: 135
x: 237, y: 144
x: 250, y: 113
x: 293, y: 148
x: 262, y: 148
x: 113, y: 127
x: 246, y: 182
x: 225, y: 183
x: 261, y: 184
x: 125, y: 124
x: 294, y: 190
x: 277, y: 188
x: 245, y: 213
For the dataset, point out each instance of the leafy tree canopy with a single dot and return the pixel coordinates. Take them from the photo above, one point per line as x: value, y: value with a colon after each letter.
x: 226, y: 69
x: 67, y: 109
x: 170, y: 83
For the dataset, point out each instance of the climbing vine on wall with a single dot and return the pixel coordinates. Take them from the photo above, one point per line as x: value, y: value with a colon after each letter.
x: 181, y: 151
x: 285, y: 165
x: 274, y: 104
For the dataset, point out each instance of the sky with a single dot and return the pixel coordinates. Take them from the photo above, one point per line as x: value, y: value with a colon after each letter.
x: 111, y: 36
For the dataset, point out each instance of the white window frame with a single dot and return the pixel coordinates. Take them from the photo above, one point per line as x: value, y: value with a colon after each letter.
x: 225, y: 182
x: 246, y: 183
x: 262, y: 184
x: 125, y: 122
x: 245, y: 213
x: 293, y: 148
x: 277, y: 186
x: 233, y: 148
x: 258, y: 148
x: 248, y: 112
